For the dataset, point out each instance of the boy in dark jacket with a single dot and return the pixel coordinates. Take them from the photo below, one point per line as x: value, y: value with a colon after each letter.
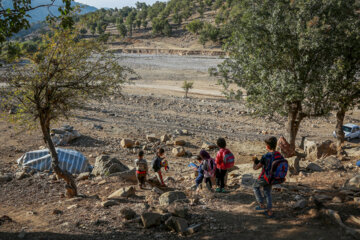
x: 264, y: 163
x: 157, y: 163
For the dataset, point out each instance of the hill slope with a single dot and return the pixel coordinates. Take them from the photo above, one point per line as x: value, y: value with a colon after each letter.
x: 40, y: 14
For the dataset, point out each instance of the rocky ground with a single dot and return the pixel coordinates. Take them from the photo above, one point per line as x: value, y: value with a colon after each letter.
x: 110, y: 207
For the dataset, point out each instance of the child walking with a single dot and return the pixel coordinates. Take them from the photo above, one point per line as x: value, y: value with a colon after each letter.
x: 224, y: 160
x: 141, y: 169
x: 157, y: 163
x: 208, y: 166
x: 264, y: 181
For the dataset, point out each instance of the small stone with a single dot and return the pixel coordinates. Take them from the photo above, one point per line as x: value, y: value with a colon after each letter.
x: 122, y: 193
x: 208, y: 146
x: 157, y: 190
x: 5, y: 178
x: 127, y: 213
x: 127, y: 143
x: 21, y: 175
x: 150, y: 219
x: 180, y: 225
x: 178, y: 151
x: 337, y: 199
x: 180, y: 142
x: 301, y: 204
x: 179, y: 210
x: 109, y: 203
x: 170, y: 197
x: 194, y: 228
x: 151, y: 138
x: 72, y: 206
x: 57, y: 212
x: 164, y: 138
x: 102, y: 182
x: 83, y: 176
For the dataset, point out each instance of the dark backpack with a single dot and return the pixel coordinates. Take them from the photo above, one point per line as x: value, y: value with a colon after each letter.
x: 156, y: 164
x: 276, y: 170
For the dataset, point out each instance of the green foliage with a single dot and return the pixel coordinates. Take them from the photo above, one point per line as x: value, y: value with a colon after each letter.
x: 83, y: 31
x: 209, y: 32
x: 122, y: 29
x: 187, y: 86
x: 161, y: 26
x: 104, y: 37
x: 280, y: 58
x: 14, y: 19
x: 195, y: 26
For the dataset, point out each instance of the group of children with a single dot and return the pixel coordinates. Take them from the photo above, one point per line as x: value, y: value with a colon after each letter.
x: 274, y: 168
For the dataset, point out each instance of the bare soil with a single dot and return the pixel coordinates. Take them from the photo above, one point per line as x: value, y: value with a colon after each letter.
x: 149, y: 107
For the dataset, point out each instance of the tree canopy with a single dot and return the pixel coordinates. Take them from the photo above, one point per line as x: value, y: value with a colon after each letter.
x: 279, y: 53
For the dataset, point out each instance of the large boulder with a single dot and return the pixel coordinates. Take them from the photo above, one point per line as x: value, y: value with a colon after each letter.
x: 122, y: 193
x: 106, y: 165
x: 127, y: 143
x: 64, y: 135
x: 180, y: 225
x: 129, y: 175
x: 329, y: 163
x: 316, y: 151
x: 170, y: 197
x: 178, y: 151
x: 150, y: 219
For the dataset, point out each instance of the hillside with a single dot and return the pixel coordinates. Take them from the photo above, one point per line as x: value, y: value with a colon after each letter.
x: 40, y: 14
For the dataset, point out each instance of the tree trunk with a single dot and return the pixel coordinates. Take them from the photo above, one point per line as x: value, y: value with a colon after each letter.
x: 71, y: 189
x: 340, y: 136
x: 186, y: 93
x: 294, y: 119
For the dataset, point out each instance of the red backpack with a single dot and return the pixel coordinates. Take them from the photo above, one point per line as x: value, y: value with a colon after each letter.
x: 229, y: 159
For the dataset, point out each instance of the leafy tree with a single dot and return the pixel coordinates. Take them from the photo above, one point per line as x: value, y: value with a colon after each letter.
x: 59, y: 79
x: 122, y: 29
x: 177, y: 18
x: 195, y: 26
x: 187, y: 86
x: 209, y: 2
x: 144, y: 24
x: 340, y: 27
x: 201, y: 9
x: 83, y: 31
x: 161, y: 26
x: 209, y: 32
x: 270, y: 60
x: 15, y: 18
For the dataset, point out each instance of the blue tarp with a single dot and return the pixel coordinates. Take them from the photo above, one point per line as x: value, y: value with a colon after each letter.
x: 70, y: 160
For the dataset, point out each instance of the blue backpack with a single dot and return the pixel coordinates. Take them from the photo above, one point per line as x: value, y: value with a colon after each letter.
x: 276, y: 170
